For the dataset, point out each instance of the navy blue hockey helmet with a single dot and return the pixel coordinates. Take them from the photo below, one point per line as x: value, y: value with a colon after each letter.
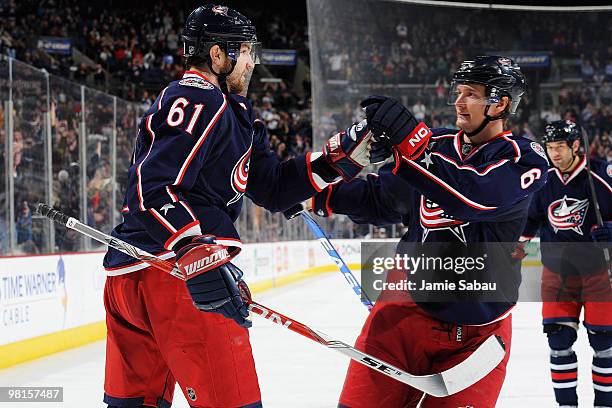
x: 210, y: 25
x: 501, y: 76
x: 562, y: 130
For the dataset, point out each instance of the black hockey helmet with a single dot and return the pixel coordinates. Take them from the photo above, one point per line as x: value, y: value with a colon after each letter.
x: 501, y: 76
x: 562, y: 130
x: 210, y: 25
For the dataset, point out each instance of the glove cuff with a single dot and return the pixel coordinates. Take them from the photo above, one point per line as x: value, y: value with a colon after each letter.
x: 322, y: 168
x: 414, y: 143
x: 320, y: 203
x: 197, y: 258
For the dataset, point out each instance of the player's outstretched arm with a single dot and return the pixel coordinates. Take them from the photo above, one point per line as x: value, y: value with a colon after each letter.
x: 278, y: 185
x: 468, y: 192
x: 379, y: 199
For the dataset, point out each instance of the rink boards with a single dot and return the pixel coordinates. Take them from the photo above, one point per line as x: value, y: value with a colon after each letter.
x: 50, y: 303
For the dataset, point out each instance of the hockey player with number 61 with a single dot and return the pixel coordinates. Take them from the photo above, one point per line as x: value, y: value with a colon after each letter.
x: 446, y: 186
x: 198, y: 151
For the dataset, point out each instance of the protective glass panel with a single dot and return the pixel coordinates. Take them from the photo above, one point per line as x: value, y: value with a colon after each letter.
x: 66, y: 121
x: 29, y: 163
x: 127, y: 128
x: 4, y: 151
x: 99, y: 128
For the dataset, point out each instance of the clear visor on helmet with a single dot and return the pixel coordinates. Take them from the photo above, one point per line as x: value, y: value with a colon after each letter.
x: 253, y: 49
x: 469, y: 94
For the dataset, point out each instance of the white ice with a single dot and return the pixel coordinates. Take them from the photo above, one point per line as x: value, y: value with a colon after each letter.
x: 296, y: 372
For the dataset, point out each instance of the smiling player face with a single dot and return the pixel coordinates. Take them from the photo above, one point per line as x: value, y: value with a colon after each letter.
x: 238, y: 80
x: 470, y: 105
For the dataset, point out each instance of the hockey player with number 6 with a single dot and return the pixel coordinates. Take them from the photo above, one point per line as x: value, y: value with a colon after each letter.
x: 466, y: 186
x: 198, y: 151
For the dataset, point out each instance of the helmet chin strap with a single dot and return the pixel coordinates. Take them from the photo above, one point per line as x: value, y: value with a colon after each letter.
x: 222, y: 76
x: 485, y: 122
x: 571, y: 163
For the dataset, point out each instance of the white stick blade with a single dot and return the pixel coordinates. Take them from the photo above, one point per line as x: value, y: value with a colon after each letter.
x: 475, y: 367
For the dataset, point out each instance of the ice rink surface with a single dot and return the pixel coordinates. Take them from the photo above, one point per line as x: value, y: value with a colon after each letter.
x: 296, y: 372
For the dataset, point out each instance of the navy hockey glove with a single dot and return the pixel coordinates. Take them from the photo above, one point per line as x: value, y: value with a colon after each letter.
x: 602, y: 233
x: 345, y: 154
x: 319, y: 203
x: 389, y: 119
x: 214, y: 283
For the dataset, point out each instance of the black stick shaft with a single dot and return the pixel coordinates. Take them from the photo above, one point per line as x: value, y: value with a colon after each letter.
x: 599, y: 218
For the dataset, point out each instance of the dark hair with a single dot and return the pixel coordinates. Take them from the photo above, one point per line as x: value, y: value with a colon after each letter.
x: 196, y: 61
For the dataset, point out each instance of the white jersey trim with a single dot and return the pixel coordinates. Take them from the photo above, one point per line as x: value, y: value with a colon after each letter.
x: 136, y: 266
x: 602, y: 181
x: 139, y: 168
x: 450, y: 189
x: 211, y: 124
x: 602, y: 370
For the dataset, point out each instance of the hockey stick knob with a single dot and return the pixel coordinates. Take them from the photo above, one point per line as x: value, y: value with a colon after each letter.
x: 54, y: 215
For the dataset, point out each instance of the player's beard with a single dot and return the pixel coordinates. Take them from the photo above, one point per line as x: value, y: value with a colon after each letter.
x: 565, y: 165
x: 239, y: 84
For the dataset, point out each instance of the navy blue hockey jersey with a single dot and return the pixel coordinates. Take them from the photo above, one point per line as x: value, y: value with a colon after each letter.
x: 563, y: 211
x: 447, y: 195
x: 197, y: 153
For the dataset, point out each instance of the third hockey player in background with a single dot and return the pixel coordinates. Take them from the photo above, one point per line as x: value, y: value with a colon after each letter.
x: 575, y: 275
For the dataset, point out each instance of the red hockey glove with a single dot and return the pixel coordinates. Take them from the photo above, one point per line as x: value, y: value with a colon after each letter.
x: 214, y: 283
x: 345, y: 154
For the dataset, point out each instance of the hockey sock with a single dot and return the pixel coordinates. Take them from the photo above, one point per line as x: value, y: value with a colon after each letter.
x: 602, y: 378
x: 564, y: 374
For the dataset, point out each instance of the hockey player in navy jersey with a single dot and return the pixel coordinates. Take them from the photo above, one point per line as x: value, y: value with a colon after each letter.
x: 471, y: 185
x: 198, y: 151
x: 574, y: 276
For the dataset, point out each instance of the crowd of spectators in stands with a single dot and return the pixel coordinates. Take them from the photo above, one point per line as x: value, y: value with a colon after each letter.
x: 138, y: 43
x: 390, y: 48
x: 287, y: 119
x: 132, y: 50
x: 135, y: 46
x: 380, y: 46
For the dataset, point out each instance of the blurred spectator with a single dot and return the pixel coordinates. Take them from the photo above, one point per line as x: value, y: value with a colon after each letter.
x: 136, y: 43
x: 419, y: 110
x: 24, y: 227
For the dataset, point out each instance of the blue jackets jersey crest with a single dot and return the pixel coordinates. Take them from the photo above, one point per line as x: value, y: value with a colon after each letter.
x: 563, y: 211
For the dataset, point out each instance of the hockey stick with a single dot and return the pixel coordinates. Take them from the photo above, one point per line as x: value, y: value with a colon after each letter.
x: 599, y: 218
x: 322, y: 237
x: 457, y: 378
